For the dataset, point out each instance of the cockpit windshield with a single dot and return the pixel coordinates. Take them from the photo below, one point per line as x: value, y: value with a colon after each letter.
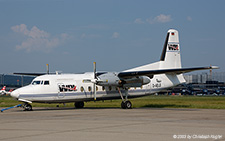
x: 40, y: 82
x: 36, y: 82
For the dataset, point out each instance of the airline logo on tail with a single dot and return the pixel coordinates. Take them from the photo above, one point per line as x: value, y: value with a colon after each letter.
x: 173, y: 46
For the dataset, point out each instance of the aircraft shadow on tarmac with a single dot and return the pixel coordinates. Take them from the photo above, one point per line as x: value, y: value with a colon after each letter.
x: 70, y: 108
x: 150, y: 106
x: 147, y: 106
x: 166, y: 105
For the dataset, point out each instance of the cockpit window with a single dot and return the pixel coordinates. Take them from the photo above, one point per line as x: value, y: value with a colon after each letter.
x: 36, y: 82
x: 46, y: 83
x: 41, y: 82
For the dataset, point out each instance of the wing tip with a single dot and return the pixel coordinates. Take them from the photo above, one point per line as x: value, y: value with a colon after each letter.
x: 214, y: 67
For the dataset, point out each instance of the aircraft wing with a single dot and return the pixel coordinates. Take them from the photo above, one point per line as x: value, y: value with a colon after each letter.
x: 151, y: 73
x: 31, y: 74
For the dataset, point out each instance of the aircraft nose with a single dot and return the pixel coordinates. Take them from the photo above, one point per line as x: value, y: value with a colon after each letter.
x: 15, y: 94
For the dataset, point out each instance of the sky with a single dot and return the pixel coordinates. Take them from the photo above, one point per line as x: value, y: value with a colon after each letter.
x: 117, y: 34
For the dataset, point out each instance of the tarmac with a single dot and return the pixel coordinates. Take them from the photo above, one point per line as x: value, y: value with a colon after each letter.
x: 112, y: 124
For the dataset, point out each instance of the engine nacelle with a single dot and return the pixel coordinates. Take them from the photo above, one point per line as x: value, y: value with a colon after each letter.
x: 136, y: 81
x: 112, y: 79
x: 109, y: 79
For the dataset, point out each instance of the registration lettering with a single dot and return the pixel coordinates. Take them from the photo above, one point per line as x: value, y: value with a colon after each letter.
x: 157, y: 85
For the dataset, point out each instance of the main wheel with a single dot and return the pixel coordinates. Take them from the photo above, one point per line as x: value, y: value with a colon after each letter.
x: 128, y: 105
x: 79, y: 104
x: 123, y: 106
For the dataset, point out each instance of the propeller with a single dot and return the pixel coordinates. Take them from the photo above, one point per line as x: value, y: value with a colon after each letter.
x: 95, y: 78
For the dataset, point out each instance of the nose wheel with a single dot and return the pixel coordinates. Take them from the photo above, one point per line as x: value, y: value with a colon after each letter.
x: 27, y: 107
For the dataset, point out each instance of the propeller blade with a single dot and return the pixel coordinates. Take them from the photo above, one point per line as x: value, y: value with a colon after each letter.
x: 95, y: 74
x: 95, y: 77
x: 94, y: 91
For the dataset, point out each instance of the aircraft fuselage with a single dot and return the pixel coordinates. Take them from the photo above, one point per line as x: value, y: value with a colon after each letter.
x: 64, y: 88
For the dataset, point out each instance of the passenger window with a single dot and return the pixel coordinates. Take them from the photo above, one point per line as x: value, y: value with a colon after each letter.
x: 96, y: 88
x: 46, y: 83
x: 103, y: 88
x: 89, y: 88
x: 81, y: 89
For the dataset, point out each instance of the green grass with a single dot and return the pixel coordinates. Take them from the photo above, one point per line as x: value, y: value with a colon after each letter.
x: 200, y: 102
x: 206, y: 102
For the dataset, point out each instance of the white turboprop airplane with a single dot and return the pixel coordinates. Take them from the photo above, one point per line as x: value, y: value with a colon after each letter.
x: 90, y: 86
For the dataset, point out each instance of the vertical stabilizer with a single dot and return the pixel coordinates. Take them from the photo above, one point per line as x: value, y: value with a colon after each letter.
x: 170, y: 57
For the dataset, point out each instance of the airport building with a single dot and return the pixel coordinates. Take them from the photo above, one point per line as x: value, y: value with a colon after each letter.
x: 204, y: 77
x: 14, y: 80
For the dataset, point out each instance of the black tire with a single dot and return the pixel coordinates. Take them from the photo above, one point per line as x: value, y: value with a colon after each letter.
x: 79, y: 104
x: 123, y: 106
x: 128, y: 105
x: 27, y: 107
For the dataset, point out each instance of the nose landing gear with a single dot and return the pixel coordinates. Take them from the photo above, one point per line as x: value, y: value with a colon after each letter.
x: 27, y: 107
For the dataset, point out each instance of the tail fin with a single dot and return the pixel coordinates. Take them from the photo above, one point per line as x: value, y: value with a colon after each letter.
x: 170, y: 57
x: 3, y: 89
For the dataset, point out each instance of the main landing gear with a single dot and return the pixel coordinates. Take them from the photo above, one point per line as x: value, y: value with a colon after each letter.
x: 125, y: 104
x: 27, y: 107
x: 79, y: 104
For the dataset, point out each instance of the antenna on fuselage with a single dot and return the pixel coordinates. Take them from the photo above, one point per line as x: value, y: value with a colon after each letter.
x: 47, y: 65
